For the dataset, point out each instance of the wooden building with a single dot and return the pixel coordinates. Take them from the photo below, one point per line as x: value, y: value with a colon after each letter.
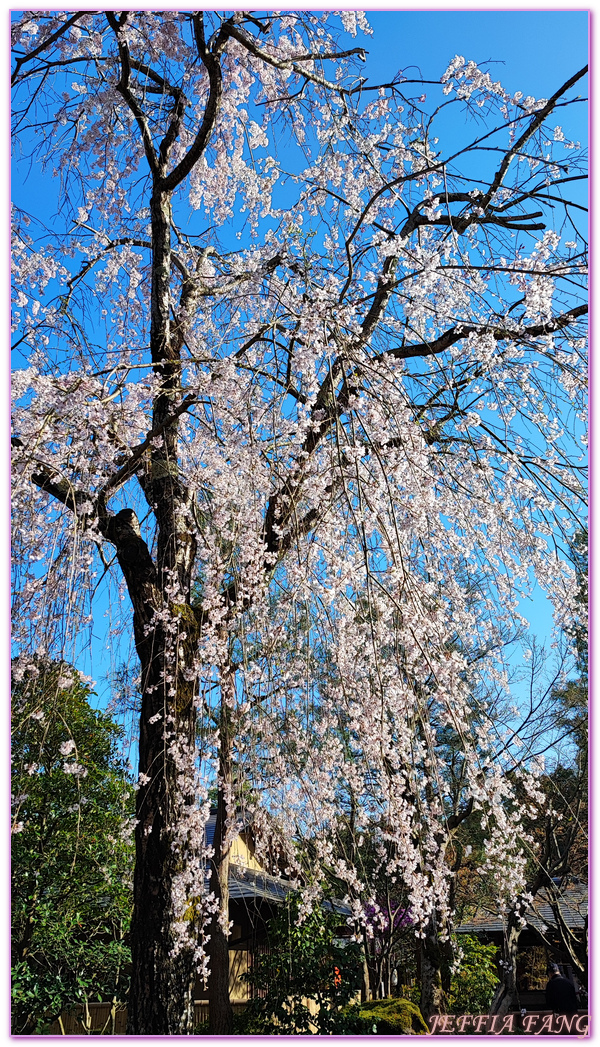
x: 541, y: 942
x: 253, y: 899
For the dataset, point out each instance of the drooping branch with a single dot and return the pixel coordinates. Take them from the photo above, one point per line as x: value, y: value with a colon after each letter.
x: 123, y: 531
x: 336, y: 403
x: 130, y: 466
x: 49, y: 480
x: 255, y: 474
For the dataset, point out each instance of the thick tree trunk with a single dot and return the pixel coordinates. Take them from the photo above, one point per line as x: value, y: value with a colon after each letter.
x: 507, y: 998
x: 436, y: 962
x: 583, y: 954
x: 160, y: 999
x: 371, y: 970
x: 366, y: 992
x: 220, y: 1011
x: 432, y: 997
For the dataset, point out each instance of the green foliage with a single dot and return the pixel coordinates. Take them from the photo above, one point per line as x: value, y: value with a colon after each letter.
x: 241, y: 1023
x: 474, y: 983
x: 71, y: 852
x: 411, y: 992
x: 577, y: 629
x: 394, y: 1016
x: 572, y: 699
x: 306, y: 961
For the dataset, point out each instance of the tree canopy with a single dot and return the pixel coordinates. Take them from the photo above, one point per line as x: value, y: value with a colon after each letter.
x: 292, y: 348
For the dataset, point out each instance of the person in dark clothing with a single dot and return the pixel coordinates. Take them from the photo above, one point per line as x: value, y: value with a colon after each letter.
x: 560, y: 994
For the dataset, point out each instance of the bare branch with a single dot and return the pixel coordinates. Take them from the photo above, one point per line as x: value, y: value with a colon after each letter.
x: 533, y: 127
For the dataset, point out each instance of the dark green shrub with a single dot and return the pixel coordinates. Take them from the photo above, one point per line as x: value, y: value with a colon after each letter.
x: 72, y: 858
x: 308, y: 968
x: 475, y: 982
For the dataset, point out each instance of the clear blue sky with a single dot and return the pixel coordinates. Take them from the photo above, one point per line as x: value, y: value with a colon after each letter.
x: 536, y: 51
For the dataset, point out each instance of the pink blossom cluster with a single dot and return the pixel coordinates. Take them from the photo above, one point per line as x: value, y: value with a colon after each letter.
x: 376, y: 395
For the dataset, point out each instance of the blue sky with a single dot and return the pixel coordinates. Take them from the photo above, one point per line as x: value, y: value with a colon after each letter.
x: 518, y: 48
x: 532, y: 51
x: 521, y: 47
x: 523, y: 43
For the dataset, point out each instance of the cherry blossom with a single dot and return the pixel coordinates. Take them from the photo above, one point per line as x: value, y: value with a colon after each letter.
x: 304, y: 382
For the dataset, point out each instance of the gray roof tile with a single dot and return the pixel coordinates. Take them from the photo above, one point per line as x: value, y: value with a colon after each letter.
x: 249, y: 883
x: 573, y: 901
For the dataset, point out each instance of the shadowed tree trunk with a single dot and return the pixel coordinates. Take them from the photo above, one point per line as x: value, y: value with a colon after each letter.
x: 507, y: 996
x: 436, y: 963
x: 167, y: 713
x: 220, y: 1011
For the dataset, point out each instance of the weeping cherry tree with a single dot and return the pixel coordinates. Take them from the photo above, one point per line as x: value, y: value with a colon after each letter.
x: 299, y: 369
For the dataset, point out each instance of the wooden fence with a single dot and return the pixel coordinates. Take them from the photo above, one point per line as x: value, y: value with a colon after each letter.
x: 108, y: 1019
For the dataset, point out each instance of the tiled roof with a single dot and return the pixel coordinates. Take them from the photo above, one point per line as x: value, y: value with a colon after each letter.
x: 482, y: 921
x: 210, y: 828
x: 573, y: 901
x: 249, y: 883
x: 573, y: 904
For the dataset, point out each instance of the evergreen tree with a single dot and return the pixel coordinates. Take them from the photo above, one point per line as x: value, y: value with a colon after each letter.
x: 71, y: 851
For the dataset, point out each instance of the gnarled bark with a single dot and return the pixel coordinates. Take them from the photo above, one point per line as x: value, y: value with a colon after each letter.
x: 507, y: 997
x: 160, y: 997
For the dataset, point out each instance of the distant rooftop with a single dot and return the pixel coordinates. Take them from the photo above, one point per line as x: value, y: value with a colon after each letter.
x: 573, y: 902
x: 247, y: 883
